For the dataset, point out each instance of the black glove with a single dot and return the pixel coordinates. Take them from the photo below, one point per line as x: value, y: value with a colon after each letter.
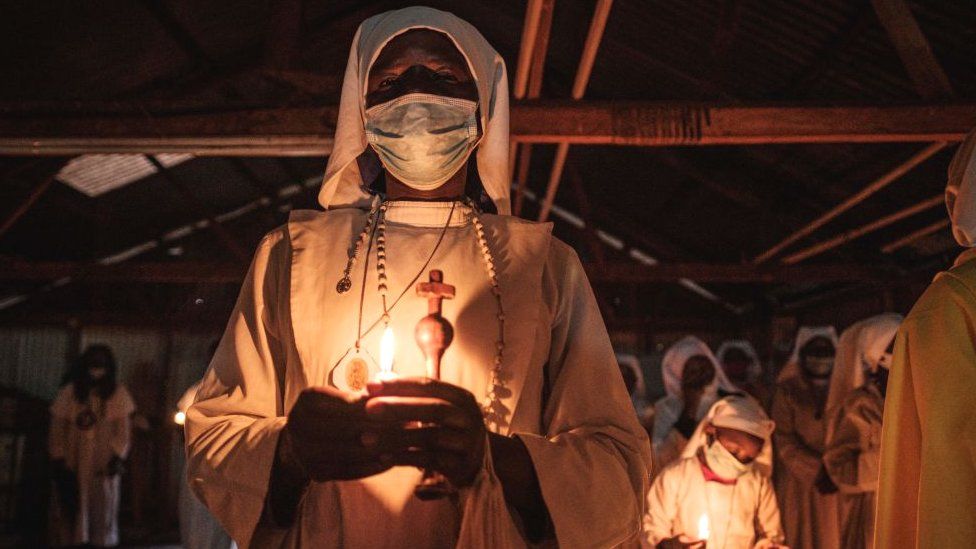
x: 66, y: 486
x: 115, y: 467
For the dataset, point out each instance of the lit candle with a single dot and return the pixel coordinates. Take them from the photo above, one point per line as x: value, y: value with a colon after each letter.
x: 387, y: 347
x: 179, y: 418
x: 703, y: 530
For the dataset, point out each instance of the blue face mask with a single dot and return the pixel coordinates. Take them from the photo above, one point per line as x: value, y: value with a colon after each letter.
x: 423, y: 139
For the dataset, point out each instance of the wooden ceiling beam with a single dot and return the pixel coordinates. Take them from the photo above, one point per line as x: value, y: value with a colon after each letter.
x: 308, y: 131
x: 930, y: 80
x: 608, y: 272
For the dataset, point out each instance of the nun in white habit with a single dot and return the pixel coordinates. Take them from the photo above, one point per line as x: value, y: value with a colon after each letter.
x: 719, y: 491
x: 855, y: 407
x: 531, y: 422
x: 693, y: 381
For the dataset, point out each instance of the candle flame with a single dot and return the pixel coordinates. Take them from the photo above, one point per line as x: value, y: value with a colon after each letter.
x: 703, y: 530
x: 179, y: 418
x: 387, y: 346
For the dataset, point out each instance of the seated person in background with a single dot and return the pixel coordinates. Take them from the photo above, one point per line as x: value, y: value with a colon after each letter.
x: 854, y: 436
x: 693, y: 382
x: 741, y: 364
x: 718, y: 492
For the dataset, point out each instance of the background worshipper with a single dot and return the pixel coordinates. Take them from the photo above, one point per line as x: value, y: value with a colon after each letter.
x: 282, y: 457
x: 89, y: 439
x: 718, y: 477
x: 198, y: 528
x: 854, y: 433
x: 630, y: 369
x: 742, y: 366
x: 807, y: 496
x: 693, y: 381
x: 927, y: 488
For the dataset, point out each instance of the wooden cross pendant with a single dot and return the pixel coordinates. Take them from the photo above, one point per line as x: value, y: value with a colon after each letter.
x: 434, y: 333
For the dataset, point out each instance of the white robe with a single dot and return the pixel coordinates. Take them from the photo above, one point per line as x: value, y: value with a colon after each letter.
x: 565, y: 395
x: 87, y: 452
x: 852, y: 459
x: 740, y: 516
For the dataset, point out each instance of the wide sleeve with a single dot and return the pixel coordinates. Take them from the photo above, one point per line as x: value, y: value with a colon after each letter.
x: 796, y: 457
x: 122, y: 407
x: 60, y: 423
x: 594, y: 458
x: 662, y: 508
x: 852, y: 457
x: 927, y: 487
x: 232, y: 429
x: 769, y: 528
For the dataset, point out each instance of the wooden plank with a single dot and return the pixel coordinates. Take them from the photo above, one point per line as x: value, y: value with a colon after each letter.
x: 308, y: 131
x: 614, y: 272
x: 913, y: 48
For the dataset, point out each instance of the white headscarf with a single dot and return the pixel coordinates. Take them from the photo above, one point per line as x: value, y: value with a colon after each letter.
x: 673, y: 365
x: 742, y: 413
x: 803, y: 336
x: 755, y: 365
x: 345, y: 172
x: 860, y: 350
x: 631, y: 362
x: 961, y: 192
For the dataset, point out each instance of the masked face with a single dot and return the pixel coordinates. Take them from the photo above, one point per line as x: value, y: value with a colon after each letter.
x: 423, y: 139
x: 817, y: 358
x: 421, y: 109
x: 731, y: 453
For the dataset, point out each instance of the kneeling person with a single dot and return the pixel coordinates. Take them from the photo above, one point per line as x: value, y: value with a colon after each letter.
x: 719, y: 492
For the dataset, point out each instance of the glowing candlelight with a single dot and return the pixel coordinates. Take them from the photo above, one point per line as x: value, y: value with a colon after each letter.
x: 179, y: 418
x: 387, y: 347
x: 703, y: 530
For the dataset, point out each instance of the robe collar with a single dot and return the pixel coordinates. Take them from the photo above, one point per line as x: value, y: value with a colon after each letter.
x: 425, y: 213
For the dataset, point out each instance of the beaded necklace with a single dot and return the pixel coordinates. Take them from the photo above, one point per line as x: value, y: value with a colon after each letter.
x: 377, y: 217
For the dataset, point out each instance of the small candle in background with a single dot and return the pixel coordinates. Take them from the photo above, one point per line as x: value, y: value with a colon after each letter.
x: 179, y: 418
x: 387, y: 348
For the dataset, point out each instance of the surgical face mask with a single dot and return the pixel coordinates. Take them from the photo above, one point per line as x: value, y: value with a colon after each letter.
x: 97, y: 373
x: 818, y: 366
x: 423, y: 139
x: 723, y: 463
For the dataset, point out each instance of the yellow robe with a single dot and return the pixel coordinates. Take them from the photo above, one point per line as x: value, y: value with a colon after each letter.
x: 564, y: 396
x: 810, y: 518
x: 852, y: 461
x: 927, y: 487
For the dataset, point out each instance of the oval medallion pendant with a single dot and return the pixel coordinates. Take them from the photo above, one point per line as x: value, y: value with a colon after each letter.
x: 353, y: 372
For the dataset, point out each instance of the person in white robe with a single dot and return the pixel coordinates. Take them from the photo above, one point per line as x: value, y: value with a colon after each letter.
x: 198, y: 528
x: 284, y: 458
x: 88, y: 442
x: 717, y: 492
x: 630, y: 369
x: 808, y: 498
x: 854, y: 437
x: 742, y: 366
x: 693, y: 381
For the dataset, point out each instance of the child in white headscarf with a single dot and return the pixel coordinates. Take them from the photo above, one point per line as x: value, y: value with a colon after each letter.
x: 854, y: 436
x: 718, y: 492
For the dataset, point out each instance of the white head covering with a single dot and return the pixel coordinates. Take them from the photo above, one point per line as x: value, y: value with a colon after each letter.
x: 755, y: 365
x: 742, y: 413
x: 344, y: 175
x: 631, y: 362
x: 673, y: 365
x: 803, y: 336
x: 961, y: 192
x: 860, y: 349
